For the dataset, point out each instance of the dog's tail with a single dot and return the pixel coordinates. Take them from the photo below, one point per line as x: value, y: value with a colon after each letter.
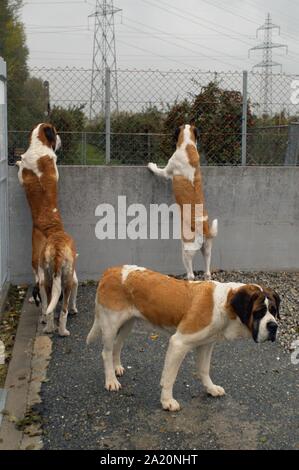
x: 96, y: 327
x: 59, y: 257
x: 213, y: 231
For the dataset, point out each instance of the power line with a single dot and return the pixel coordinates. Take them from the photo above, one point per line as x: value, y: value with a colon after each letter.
x: 194, y: 19
x: 175, y: 44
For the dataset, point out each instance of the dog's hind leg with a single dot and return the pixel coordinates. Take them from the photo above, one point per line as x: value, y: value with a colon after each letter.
x: 206, y: 251
x: 43, y: 294
x: 49, y: 317
x: 73, y: 298
x: 123, y: 333
x: 204, y: 354
x: 67, y: 289
x: 187, y: 256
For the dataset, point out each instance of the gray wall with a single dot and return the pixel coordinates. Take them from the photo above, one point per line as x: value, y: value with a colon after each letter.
x: 257, y: 209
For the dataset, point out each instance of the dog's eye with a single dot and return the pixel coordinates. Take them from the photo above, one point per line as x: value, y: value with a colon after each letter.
x: 273, y: 311
x: 259, y: 314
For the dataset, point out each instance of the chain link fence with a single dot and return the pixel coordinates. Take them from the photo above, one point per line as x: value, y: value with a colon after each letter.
x: 241, y: 121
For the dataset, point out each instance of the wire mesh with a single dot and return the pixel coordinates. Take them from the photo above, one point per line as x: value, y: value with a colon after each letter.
x: 151, y: 104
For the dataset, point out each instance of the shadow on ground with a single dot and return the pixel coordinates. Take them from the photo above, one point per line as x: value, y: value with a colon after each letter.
x: 259, y: 411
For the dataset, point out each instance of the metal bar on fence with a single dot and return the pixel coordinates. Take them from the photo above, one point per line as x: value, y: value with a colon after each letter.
x: 4, y: 236
x: 107, y: 116
x: 244, y: 119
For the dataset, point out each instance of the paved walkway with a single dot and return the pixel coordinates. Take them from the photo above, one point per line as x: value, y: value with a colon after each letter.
x: 260, y: 409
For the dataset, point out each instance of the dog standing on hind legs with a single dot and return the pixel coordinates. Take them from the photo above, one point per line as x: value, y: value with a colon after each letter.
x: 53, y: 250
x: 57, y: 272
x: 183, y: 168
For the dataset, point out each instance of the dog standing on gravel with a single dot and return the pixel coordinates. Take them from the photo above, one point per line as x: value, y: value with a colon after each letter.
x: 53, y: 250
x: 199, y: 314
x: 184, y: 170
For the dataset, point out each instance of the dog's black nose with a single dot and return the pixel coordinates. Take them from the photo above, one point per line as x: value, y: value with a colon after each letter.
x: 272, y: 328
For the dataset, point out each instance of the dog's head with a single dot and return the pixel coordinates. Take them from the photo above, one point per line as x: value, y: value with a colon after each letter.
x: 186, y: 132
x: 258, y: 309
x: 47, y: 135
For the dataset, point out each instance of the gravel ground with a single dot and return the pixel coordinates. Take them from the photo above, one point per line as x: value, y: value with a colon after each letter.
x: 259, y: 410
x: 287, y: 286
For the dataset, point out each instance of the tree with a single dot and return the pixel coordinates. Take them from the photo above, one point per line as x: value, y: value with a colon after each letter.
x: 69, y: 124
x: 15, y: 52
x: 177, y: 115
x: 218, y: 115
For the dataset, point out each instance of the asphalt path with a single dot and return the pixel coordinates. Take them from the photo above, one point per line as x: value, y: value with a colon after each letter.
x: 259, y: 411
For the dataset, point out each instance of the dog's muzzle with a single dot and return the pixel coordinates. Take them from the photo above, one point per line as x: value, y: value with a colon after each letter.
x: 272, y: 329
x: 58, y: 143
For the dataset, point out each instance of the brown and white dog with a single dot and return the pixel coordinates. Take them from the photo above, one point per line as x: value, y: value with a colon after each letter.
x: 200, y: 313
x: 184, y: 170
x: 53, y: 250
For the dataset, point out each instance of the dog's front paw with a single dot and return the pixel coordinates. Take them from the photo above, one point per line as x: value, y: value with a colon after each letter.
x: 73, y: 311
x: 63, y: 332
x: 171, y: 405
x: 49, y: 329
x: 112, y: 385
x: 207, y: 277
x: 119, y: 370
x: 152, y: 167
x: 216, y: 391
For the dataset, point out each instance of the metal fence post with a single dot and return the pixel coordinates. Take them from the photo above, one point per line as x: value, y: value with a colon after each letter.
x: 4, y: 267
x: 107, y: 115
x: 244, y: 118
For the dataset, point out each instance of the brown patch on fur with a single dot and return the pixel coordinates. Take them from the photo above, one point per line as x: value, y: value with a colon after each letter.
x: 229, y: 309
x: 110, y: 292
x: 162, y: 300
x: 59, y: 248
x: 200, y: 314
x: 38, y: 243
x: 47, y: 134
x: 41, y: 195
x: 193, y: 155
x: 187, y: 193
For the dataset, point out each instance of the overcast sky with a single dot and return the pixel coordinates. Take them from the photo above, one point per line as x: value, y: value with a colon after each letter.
x: 163, y: 34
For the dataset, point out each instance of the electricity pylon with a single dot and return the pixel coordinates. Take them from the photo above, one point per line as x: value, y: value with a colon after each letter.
x: 104, y: 57
x: 267, y: 63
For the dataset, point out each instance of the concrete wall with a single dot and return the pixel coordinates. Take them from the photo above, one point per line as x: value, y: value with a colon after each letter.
x: 257, y: 209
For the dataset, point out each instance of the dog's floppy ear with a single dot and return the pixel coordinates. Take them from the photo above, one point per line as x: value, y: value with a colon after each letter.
x: 277, y: 301
x: 50, y: 135
x: 196, y: 133
x: 242, y: 303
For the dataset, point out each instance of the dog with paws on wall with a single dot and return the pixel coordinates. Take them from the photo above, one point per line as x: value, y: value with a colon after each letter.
x: 183, y: 168
x: 53, y: 250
